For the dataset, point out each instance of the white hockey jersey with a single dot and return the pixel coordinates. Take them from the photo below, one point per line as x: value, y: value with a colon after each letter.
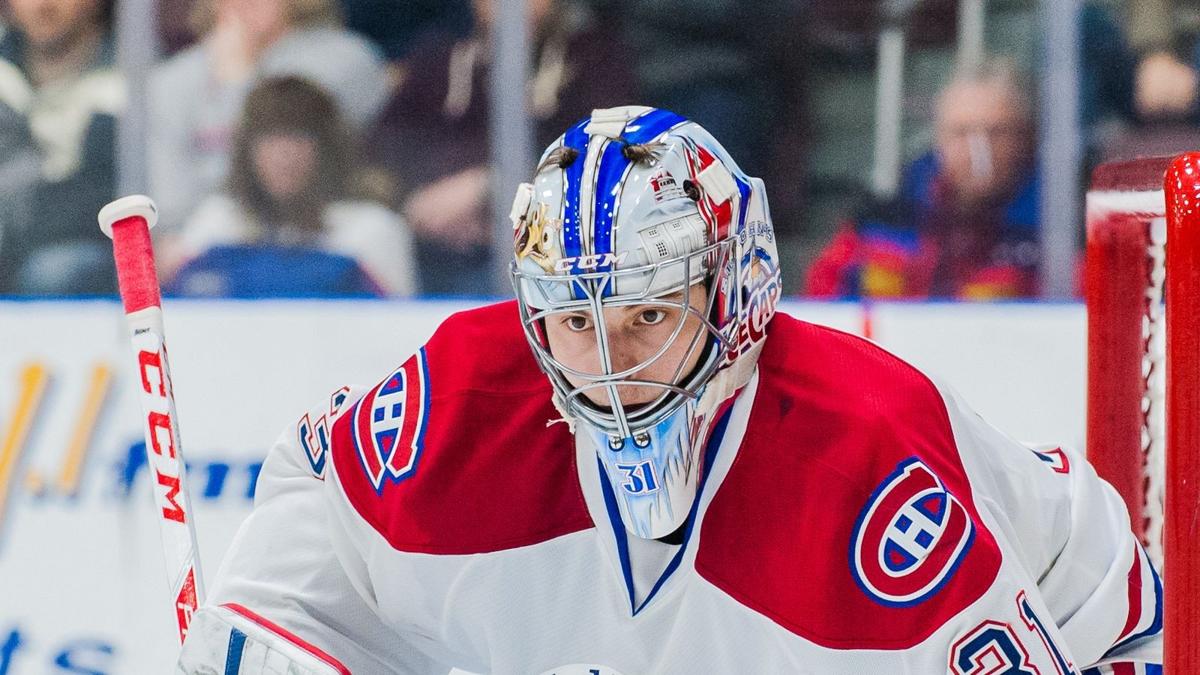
x: 853, y: 517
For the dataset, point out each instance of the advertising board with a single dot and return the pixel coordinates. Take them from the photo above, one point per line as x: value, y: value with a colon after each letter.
x: 82, y: 584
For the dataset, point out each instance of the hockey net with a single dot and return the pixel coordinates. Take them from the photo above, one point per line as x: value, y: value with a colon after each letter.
x: 1143, y: 428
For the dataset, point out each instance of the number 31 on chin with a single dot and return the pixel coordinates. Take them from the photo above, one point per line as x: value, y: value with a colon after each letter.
x: 639, y: 478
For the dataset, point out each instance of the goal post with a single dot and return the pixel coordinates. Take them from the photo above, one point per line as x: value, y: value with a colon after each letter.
x: 1182, y: 534
x: 1143, y: 398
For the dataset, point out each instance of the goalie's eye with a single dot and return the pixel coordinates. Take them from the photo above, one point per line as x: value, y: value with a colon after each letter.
x: 578, y: 322
x: 651, y: 317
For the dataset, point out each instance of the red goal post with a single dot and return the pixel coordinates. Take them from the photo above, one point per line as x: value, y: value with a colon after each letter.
x: 1143, y: 428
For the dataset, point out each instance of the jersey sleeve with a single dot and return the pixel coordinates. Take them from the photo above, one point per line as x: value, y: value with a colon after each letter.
x: 1072, y: 533
x: 282, y: 600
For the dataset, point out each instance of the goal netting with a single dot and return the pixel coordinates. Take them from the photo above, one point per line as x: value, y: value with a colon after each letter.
x: 1143, y: 428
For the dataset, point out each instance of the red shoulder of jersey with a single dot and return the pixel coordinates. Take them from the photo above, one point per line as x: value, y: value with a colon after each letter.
x: 451, y: 453
x: 860, y: 530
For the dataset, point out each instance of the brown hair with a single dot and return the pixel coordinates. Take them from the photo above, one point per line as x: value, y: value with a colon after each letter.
x: 292, y: 104
x: 562, y: 157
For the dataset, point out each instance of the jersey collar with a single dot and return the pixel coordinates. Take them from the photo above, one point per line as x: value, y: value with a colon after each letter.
x: 613, y: 538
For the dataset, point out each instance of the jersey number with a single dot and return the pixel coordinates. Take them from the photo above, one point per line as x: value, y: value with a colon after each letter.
x: 639, y: 478
x: 993, y: 648
x: 314, y: 439
x: 1034, y: 624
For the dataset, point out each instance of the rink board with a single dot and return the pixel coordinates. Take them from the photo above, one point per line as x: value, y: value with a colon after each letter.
x: 82, y: 585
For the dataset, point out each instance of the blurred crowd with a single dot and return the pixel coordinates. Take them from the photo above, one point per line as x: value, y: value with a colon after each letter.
x: 315, y: 148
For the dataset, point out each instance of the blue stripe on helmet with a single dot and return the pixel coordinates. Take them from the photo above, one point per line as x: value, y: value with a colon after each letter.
x: 608, y: 187
x: 576, y: 138
x: 613, y: 165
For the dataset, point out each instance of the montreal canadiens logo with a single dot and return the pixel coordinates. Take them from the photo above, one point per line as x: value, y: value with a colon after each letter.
x: 389, y: 423
x: 762, y: 280
x: 910, y: 537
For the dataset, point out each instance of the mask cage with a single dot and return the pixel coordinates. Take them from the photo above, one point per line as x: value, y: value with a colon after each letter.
x: 591, y: 293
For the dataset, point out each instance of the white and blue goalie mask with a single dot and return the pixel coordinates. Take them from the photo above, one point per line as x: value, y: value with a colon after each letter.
x: 637, y: 210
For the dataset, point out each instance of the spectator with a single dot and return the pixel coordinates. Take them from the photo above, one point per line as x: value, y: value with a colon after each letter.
x: 390, y: 24
x: 289, y: 224
x: 1165, y: 98
x: 1165, y: 87
x: 434, y: 135
x: 58, y: 111
x: 966, y: 223
x: 1167, y: 110
x: 694, y: 57
x: 1157, y: 26
x: 195, y: 96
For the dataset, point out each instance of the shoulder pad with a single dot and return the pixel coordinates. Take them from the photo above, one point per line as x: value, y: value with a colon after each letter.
x: 865, y: 532
x: 453, y: 452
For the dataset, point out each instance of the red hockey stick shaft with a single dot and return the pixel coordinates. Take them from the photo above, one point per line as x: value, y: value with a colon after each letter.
x: 128, y: 222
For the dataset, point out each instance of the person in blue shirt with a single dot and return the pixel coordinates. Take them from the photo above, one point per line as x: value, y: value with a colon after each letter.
x: 291, y: 221
x: 966, y: 223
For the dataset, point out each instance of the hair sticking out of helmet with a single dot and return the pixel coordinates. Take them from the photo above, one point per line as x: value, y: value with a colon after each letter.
x: 561, y: 157
x: 641, y: 153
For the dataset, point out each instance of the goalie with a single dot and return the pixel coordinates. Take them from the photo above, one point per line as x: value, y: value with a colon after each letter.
x: 726, y: 491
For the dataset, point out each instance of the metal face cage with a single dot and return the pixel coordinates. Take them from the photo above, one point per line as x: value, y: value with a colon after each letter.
x: 542, y: 296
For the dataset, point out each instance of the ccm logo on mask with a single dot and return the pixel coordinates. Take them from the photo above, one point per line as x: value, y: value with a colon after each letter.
x: 590, y: 262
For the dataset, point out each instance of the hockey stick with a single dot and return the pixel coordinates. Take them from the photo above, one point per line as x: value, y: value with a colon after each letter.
x: 128, y: 221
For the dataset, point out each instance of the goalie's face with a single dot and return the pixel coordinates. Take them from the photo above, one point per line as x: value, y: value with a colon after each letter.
x: 657, y: 342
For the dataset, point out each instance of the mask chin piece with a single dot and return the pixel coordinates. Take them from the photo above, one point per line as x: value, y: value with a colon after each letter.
x: 653, y: 472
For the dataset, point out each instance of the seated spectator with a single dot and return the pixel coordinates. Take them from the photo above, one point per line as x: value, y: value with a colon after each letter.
x: 58, y: 110
x: 1166, y: 106
x: 1162, y: 105
x: 434, y: 134
x: 389, y: 24
x: 1165, y: 36
x: 288, y: 224
x: 1165, y: 87
x: 195, y: 96
x: 966, y: 224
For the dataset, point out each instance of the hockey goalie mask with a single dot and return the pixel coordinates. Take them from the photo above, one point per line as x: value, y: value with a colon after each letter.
x: 642, y: 241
